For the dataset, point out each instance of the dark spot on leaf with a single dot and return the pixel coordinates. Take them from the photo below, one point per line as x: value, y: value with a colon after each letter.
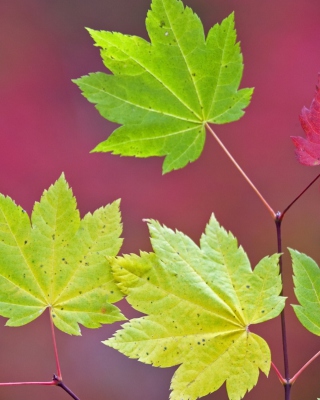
x: 247, y: 286
x: 103, y: 310
x: 53, y: 237
x: 164, y: 348
x: 262, y: 311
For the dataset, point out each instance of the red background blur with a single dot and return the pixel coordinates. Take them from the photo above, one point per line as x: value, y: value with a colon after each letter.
x: 47, y: 127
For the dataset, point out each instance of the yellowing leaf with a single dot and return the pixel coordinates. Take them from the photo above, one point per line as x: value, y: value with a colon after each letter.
x: 58, y: 261
x: 164, y: 92
x: 200, y: 303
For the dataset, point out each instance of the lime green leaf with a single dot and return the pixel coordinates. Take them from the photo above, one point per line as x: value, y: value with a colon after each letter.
x: 307, y: 289
x: 199, y: 303
x: 164, y: 92
x: 58, y: 261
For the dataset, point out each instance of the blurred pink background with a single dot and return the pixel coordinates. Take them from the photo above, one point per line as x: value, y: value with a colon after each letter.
x: 47, y: 127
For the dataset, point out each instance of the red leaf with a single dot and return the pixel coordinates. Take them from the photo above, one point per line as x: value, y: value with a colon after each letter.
x: 308, y: 150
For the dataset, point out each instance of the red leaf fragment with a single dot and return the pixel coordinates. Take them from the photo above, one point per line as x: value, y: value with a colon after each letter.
x: 308, y: 150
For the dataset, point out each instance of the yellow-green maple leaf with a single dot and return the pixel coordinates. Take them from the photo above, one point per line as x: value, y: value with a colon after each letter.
x: 200, y: 303
x: 163, y: 92
x: 58, y: 261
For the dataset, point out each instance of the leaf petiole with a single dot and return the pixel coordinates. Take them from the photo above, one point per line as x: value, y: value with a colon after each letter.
x: 264, y: 201
x: 298, y: 197
x: 281, y: 378
x: 54, y: 382
x: 294, y: 378
x: 59, y: 375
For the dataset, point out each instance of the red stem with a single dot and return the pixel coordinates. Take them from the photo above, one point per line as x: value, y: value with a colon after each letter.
x: 298, y: 197
x: 59, y: 375
x: 55, y: 382
x: 264, y: 201
x: 51, y: 383
x: 281, y: 378
x: 57, y: 379
x: 294, y: 378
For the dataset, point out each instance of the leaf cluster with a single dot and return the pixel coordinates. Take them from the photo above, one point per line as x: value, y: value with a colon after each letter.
x: 199, y: 302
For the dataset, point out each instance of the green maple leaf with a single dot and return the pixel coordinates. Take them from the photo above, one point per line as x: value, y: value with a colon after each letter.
x: 166, y: 91
x: 58, y: 261
x: 307, y: 290
x: 200, y: 303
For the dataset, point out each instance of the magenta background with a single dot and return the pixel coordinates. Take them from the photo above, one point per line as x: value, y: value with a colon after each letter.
x: 47, y: 127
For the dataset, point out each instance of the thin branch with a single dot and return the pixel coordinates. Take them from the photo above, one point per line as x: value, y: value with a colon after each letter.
x: 273, y: 214
x: 64, y: 387
x: 298, y: 197
x: 287, y: 385
x: 51, y: 383
x: 55, y: 382
x: 59, y: 375
x: 294, y: 378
